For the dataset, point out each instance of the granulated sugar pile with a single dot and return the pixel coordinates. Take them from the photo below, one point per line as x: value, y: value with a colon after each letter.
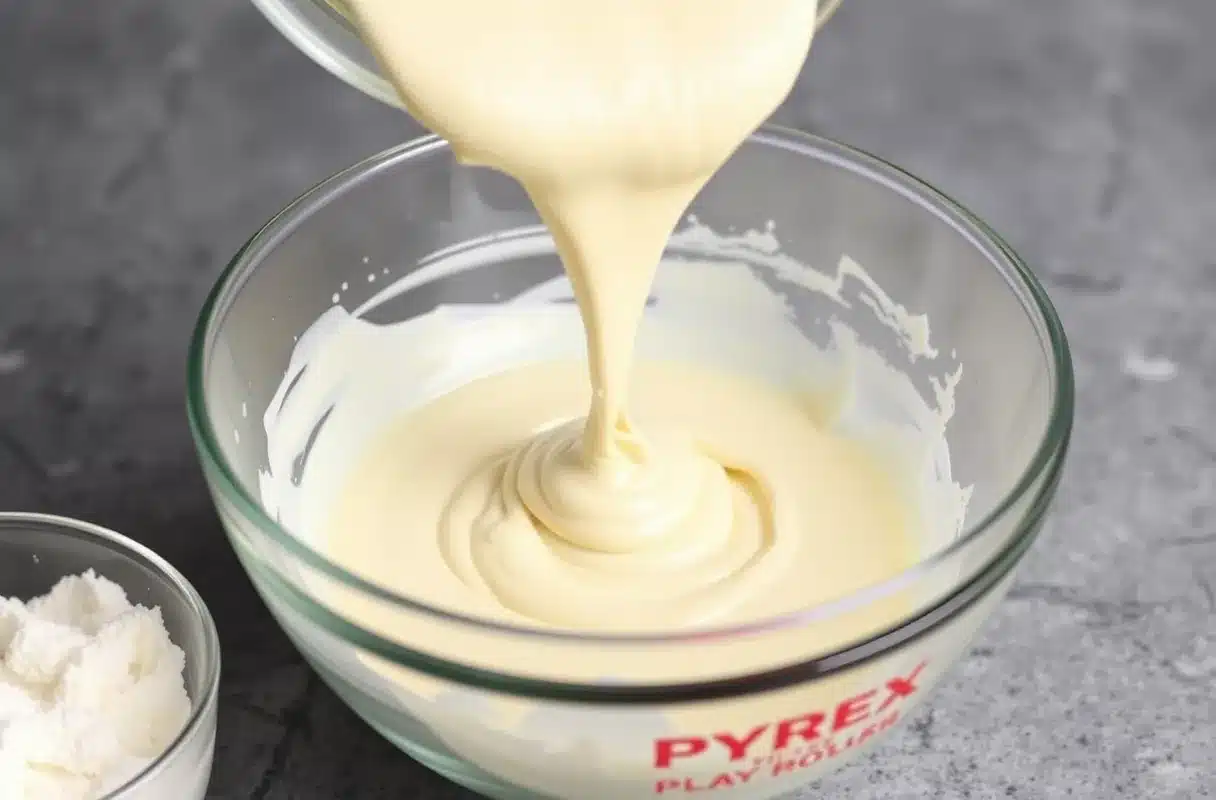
x: 91, y: 691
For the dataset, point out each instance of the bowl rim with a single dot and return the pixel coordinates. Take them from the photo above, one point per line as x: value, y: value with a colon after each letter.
x: 212, y: 667
x: 314, y: 35
x: 1041, y: 472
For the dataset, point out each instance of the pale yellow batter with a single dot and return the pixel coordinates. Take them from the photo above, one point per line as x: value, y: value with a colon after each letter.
x: 782, y: 516
x: 710, y: 499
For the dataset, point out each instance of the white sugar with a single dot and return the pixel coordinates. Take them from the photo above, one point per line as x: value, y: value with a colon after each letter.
x: 91, y: 691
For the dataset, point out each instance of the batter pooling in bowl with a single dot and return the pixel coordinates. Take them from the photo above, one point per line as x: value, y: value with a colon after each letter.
x: 552, y: 502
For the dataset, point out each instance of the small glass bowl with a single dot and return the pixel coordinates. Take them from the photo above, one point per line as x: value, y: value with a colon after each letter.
x: 37, y: 550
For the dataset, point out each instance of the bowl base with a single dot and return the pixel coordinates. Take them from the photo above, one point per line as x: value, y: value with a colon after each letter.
x: 454, y: 770
x: 445, y: 764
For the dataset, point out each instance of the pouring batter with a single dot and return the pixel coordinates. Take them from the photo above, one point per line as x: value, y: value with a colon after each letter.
x: 612, y: 118
x: 529, y: 479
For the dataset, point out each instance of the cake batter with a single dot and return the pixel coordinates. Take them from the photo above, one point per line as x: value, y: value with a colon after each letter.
x: 374, y: 465
x: 568, y: 499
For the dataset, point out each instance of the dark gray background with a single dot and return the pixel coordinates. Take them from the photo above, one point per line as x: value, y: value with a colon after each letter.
x: 142, y: 140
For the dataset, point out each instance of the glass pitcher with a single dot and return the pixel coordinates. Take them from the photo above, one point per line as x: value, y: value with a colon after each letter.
x: 323, y: 30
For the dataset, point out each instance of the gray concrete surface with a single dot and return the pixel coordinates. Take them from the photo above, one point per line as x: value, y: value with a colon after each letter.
x: 142, y: 140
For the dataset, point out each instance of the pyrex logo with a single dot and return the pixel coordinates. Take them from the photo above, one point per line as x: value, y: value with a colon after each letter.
x: 775, y: 748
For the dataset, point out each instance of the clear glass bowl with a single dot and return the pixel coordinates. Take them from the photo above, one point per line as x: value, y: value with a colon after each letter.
x: 323, y: 31
x: 36, y: 550
x: 440, y: 693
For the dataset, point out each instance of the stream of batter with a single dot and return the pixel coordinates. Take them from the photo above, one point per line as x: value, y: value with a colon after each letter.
x: 569, y: 494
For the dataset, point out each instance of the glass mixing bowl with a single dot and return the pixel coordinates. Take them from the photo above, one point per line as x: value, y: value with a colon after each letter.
x: 431, y: 680
x: 323, y: 31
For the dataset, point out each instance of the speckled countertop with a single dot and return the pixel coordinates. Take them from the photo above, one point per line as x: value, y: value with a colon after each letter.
x: 141, y: 141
